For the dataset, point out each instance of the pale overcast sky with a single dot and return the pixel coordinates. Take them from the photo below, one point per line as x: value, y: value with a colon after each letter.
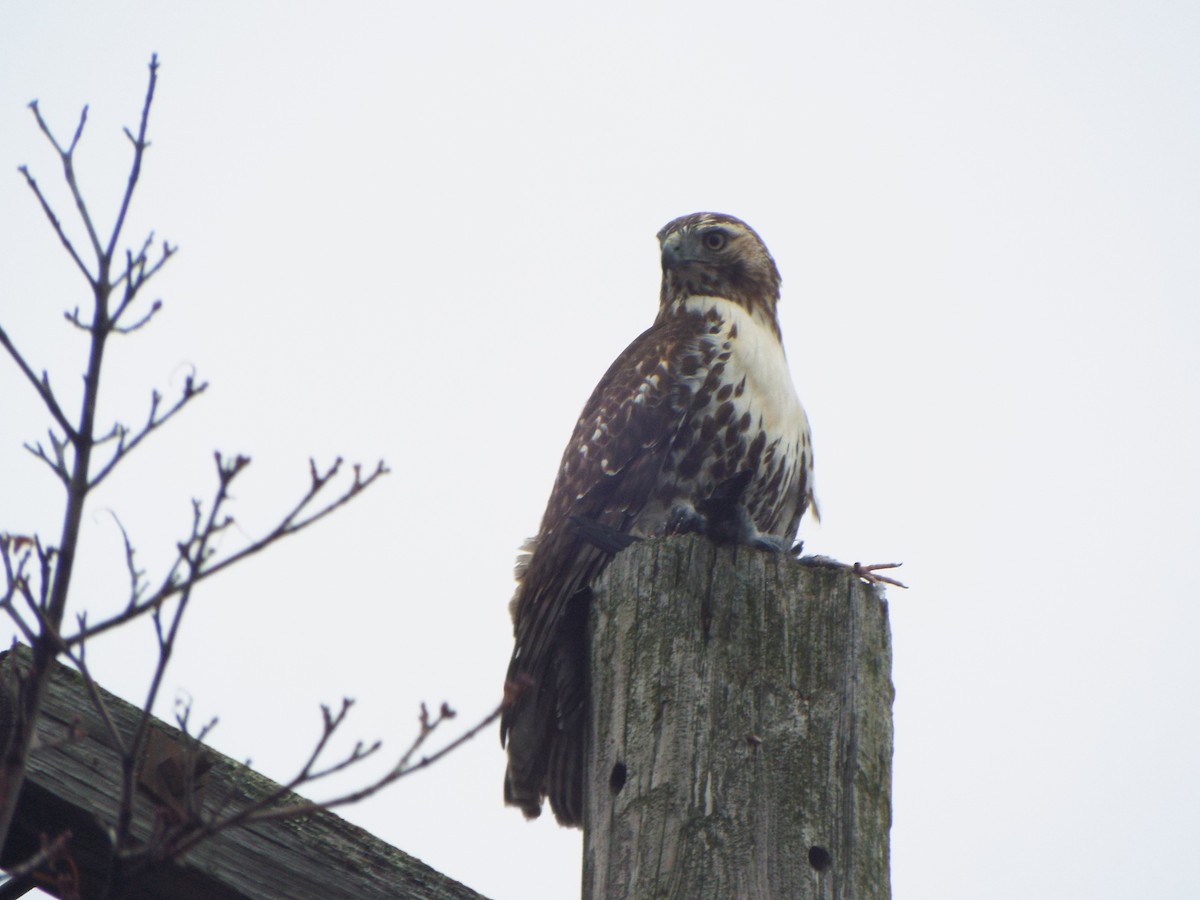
x: 421, y: 232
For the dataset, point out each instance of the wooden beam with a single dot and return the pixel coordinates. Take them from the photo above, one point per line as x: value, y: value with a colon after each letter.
x: 73, y: 782
x: 741, y: 728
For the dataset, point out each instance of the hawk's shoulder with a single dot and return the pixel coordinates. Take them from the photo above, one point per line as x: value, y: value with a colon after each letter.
x: 628, y: 422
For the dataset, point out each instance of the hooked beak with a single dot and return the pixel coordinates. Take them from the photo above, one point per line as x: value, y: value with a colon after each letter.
x: 673, y: 253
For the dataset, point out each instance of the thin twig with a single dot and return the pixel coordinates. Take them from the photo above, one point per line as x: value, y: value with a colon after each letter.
x: 50, y: 851
x: 137, y: 583
x: 265, y: 810
x: 68, y: 162
x: 400, y: 771
x: 58, y: 465
x: 140, y: 323
x: 54, y: 222
x: 166, y: 645
x: 153, y: 421
x: 139, y: 148
x: 15, y: 580
x: 292, y: 523
x: 79, y: 659
x: 134, y: 278
x: 41, y: 385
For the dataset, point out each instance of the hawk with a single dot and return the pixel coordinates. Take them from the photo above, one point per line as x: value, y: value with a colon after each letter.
x: 694, y: 428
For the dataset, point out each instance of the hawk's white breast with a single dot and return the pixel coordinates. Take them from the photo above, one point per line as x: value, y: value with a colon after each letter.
x: 758, y: 355
x: 750, y: 418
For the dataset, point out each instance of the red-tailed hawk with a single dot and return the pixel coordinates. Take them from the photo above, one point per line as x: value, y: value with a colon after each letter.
x: 696, y: 427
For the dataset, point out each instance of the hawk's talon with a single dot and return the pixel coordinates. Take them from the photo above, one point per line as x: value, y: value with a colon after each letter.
x: 866, y: 572
x: 683, y: 519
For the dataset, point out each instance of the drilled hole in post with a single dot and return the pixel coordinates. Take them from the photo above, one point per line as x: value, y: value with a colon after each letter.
x: 616, y: 780
x: 819, y: 858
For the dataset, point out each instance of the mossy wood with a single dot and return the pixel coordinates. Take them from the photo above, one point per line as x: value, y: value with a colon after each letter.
x: 741, y: 741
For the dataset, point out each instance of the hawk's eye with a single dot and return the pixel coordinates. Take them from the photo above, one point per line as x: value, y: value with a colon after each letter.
x: 715, y: 239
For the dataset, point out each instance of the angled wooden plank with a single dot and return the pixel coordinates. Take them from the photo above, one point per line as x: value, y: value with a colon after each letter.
x: 74, y: 782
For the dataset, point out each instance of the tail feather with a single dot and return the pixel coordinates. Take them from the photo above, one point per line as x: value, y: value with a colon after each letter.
x: 564, y: 778
x: 525, y: 778
x: 546, y: 728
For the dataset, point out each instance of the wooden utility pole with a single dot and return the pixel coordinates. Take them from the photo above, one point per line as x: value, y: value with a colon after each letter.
x: 741, y: 728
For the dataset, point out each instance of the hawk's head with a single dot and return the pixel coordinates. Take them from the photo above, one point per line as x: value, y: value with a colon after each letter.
x: 717, y: 255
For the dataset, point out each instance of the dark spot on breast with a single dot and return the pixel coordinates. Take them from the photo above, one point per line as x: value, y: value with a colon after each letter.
x: 741, y: 388
x: 754, y: 454
x: 689, y: 365
x: 724, y: 393
x: 731, y: 434
x: 689, y: 466
x: 775, y: 482
x: 744, y: 421
x: 733, y: 330
x: 724, y: 412
x: 686, y: 434
x: 708, y: 429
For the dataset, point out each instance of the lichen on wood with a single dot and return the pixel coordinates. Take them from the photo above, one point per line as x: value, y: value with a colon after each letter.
x: 741, y: 740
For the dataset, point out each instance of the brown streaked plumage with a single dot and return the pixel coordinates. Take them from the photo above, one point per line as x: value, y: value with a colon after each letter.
x: 695, y: 427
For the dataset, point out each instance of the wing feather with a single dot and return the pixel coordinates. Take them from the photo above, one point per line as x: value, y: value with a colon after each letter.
x: 609, y: 472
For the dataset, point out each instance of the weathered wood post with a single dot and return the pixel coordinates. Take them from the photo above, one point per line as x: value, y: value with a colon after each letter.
x: 741, y: 742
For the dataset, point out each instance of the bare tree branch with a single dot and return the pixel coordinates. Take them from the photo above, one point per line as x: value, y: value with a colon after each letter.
x: 50, y: 851
x: 139, y: 148
x: 191, y: 390
x: 68, y: 161
x: 38, y: 577
x: 266, y: 809
x: 54, y: 223
x: 166, y: 645
x: 140, y: 323
x: 16, y: 582
x: 51, y: 609
x: 134, y: 278
x: 402, y: 769
x: 41, y: 385
x: 79, y: 659
x: 58, y: 465
x: 292, y: 523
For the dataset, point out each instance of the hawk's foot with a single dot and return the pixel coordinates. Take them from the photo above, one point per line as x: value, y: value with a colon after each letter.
x: 683, y: 519
x: 868, y: 573
x: 722, y: 521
